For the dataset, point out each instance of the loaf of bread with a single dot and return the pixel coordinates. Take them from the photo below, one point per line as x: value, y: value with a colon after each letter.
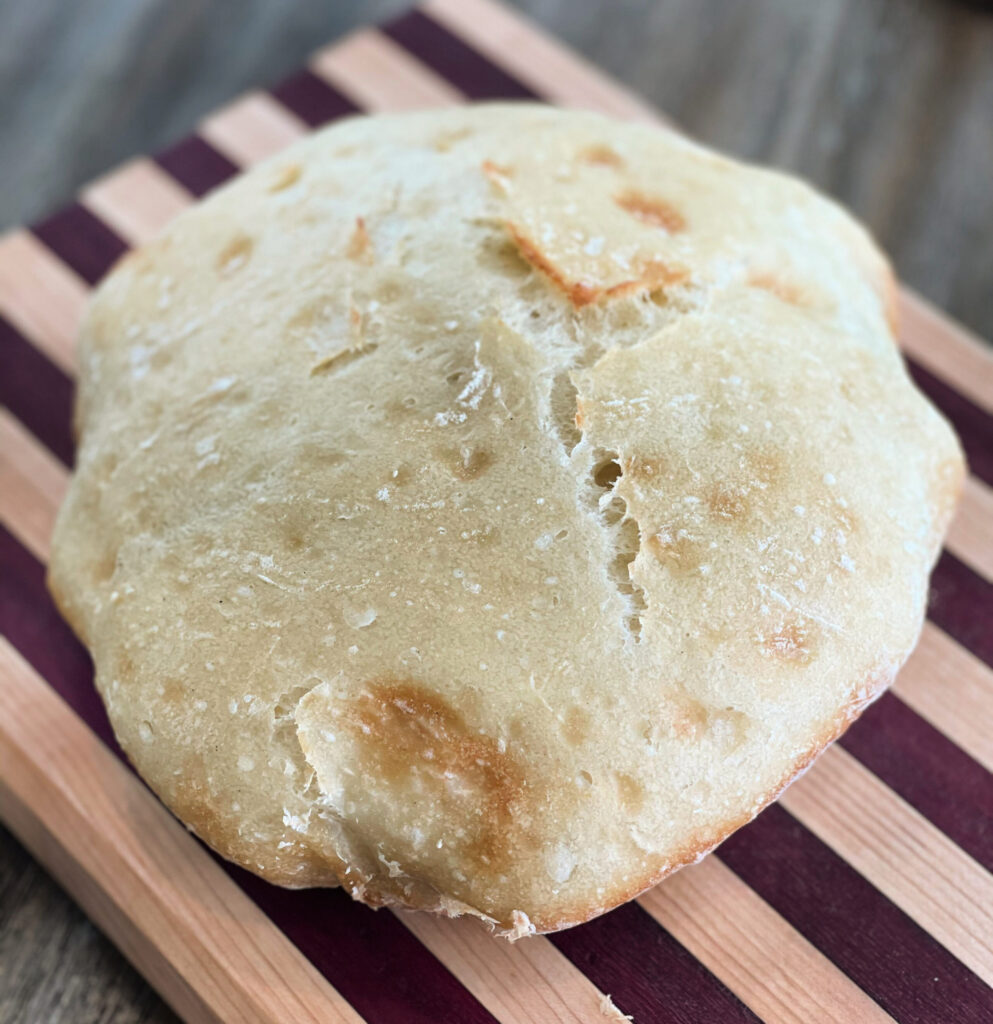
x: 490, y: 510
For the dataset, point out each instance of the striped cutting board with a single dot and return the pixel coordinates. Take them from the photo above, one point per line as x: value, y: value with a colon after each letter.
x: 864, y: 895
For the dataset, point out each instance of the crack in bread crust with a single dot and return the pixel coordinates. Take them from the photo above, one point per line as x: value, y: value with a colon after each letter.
x: 485, y: 525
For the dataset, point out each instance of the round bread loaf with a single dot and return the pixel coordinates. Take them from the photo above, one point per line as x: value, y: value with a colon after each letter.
x: 489, y: 510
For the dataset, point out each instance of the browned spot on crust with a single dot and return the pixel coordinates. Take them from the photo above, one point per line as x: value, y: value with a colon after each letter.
x: 467, y: 462
x: 652, y: 274
x: 652, y: 211
x: 286, y: 176
x: 601, y: 156
x: 173, y: 692
x: 630, y: 793
x: 790, y: 292
x: 234, y: 255
x: 678, y: 553
x: 686, y: 717
x: 727, y: 503
x: 791, y: 642
x: 499, y: 175
x: 360, y: 244
x: 125, y: 668
x: 576, y: 726
x: 406, y: 729
x: 579, y: 293
x: 106, y: 565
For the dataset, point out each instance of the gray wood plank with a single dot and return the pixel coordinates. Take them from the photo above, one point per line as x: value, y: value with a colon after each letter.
x: 54, y: 964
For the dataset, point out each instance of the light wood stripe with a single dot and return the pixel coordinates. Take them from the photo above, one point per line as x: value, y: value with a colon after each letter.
x: 252, y: 128
x: 901, y: 853
x: 529, y: 982
x: 946, y: 348
x: 378, y: 75
x: 137, y: 200
x: 32, y: 484
x: 41, y: 297
x: 768, y: 965
x: 953, y: 690
x: 971, y: 533
x: 522, y: 49
x: 139, y: 874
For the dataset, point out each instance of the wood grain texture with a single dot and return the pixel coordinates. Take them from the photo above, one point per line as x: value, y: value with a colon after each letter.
x: 27, y: 269
x: 886, y: 104
x: 529, y: 982
x: 378, y: 75
x: 710, y: 910
x: 901, y: 853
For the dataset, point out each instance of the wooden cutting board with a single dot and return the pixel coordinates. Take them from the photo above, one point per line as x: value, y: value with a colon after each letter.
x: 865, y: 895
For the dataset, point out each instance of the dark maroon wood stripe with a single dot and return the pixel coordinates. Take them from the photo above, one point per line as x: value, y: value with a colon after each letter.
x: 31, y: 622
x: 954, y: 792
x: 876, y: 944
x: 196, y: 165
x: 37, y: 392
x: 376, y: 964
x: 312, y: 99
x: 647, y: 972
x: 81, y: 241
x: 973, y: 424
x: 962, y: 604
x: 367, y: 955
x: 448, y: 55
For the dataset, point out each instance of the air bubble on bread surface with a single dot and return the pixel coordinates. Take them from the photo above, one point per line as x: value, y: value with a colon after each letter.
x: 560, y: 862
x: 359, y: 615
